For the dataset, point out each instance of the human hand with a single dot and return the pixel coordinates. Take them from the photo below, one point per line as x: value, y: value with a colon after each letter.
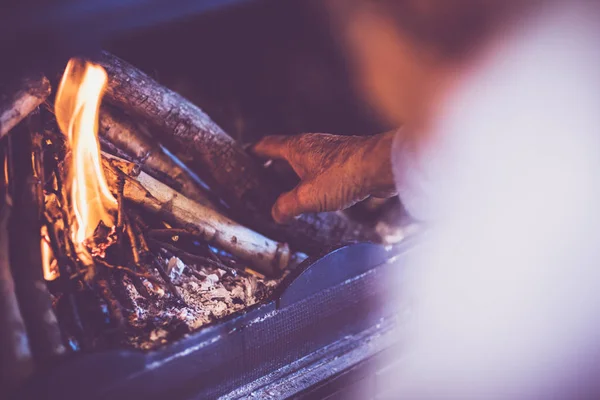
x: 335, y: 171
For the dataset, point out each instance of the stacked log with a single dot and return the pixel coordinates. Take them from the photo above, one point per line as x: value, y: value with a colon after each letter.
x: 222, y: 162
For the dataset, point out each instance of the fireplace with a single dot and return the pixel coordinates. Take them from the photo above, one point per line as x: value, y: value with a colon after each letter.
x: 140, y: 260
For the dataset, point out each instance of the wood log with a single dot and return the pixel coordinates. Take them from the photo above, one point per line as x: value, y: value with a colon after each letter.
x: 264, y: 254
x: 16, y: 361
x: 25, y: 256
x: 20, y: 99
x: 143, y: 150
x: 230, y: 172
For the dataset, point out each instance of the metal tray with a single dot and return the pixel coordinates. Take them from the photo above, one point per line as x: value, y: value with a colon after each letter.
x: 322, y: 301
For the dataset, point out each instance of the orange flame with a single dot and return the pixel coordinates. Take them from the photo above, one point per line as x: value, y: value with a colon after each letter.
x: 77, y: 106
x: 49, y: 263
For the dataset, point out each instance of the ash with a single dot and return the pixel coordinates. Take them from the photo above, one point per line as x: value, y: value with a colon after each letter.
x: 209, y: 294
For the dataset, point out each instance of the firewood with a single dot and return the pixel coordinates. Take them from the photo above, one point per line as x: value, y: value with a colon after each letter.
x: 266, y: 255
x: 16, y: 362
x: 231, y: 172
x: 166, y: 238
x: 20, y: 99
x: 112, y: 303
x: 143, y: 150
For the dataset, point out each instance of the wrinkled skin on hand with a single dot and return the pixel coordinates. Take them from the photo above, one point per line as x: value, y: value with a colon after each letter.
x: 335, y: 171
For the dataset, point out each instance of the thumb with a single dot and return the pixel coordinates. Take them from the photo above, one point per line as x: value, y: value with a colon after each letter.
x: 271, y: 147
x: 295, y: 202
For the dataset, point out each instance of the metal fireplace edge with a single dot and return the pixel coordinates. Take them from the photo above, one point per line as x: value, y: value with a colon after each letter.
x: 323, y: 303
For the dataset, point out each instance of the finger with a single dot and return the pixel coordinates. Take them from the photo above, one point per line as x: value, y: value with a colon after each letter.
x: 286, y: 207
x: 303, y: 198
x: 271, y: 147
x: 293, y: 203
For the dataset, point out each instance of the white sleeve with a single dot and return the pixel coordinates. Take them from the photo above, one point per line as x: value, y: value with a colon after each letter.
x: 506, y: 285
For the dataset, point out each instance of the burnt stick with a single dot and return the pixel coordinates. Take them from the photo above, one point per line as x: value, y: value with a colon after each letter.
x: 147, y: 276
x: 163, y: 274
x: 18, y: 99
x: 114, y: 307
x: 189, y: 257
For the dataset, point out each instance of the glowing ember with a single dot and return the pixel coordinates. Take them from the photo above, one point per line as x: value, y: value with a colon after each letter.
x: 6, y: 171
x: 77, y: 105
x: 49, y: 263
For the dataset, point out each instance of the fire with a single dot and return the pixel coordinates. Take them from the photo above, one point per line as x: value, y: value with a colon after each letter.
x: 77, y: 106
x: 49, y: 263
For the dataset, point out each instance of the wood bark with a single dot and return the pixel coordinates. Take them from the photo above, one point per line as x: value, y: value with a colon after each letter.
x: 264, y: 254
x: 220, y: 161
x: 145, y: 151
x: 20, y: 99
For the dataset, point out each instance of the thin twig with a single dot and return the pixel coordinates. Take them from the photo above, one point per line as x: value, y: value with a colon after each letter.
x: 120, y: 201
x: 213, y: 259
x: 169, y: 233
x: 196, y: 274
x: 136, y: 222
x: 135, y: 253
x: 114, y: 150
x: 113, y: 304
x: 149, y: 277
x: 193, y: 258
x: 163, y: 274
x: 214, y: 256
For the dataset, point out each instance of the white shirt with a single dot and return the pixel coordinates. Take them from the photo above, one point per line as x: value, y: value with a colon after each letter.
x: 505, y: 293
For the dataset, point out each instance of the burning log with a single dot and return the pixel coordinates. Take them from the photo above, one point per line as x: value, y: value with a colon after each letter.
x: 140, y: 148
x: 265, y: 254
x: 220, y: 161
x: 25, y: 256
x: 17, y: 102
x: 16, y: 361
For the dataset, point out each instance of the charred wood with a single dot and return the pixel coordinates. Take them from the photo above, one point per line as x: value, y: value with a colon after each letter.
x: 113, y: 305
x: 68, y: 311
x: 163, y: 274
x: 130, y: 272
x: 137, y: 225
x: 166, y: 237
x: 136, y: 258
x: 107, y: 146
x: 20, y: 99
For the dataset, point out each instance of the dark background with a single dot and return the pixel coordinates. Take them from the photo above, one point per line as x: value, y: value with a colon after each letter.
x: 256, y: 68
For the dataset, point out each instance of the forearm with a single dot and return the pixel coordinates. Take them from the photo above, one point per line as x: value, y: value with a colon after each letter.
x: 413, y: 156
